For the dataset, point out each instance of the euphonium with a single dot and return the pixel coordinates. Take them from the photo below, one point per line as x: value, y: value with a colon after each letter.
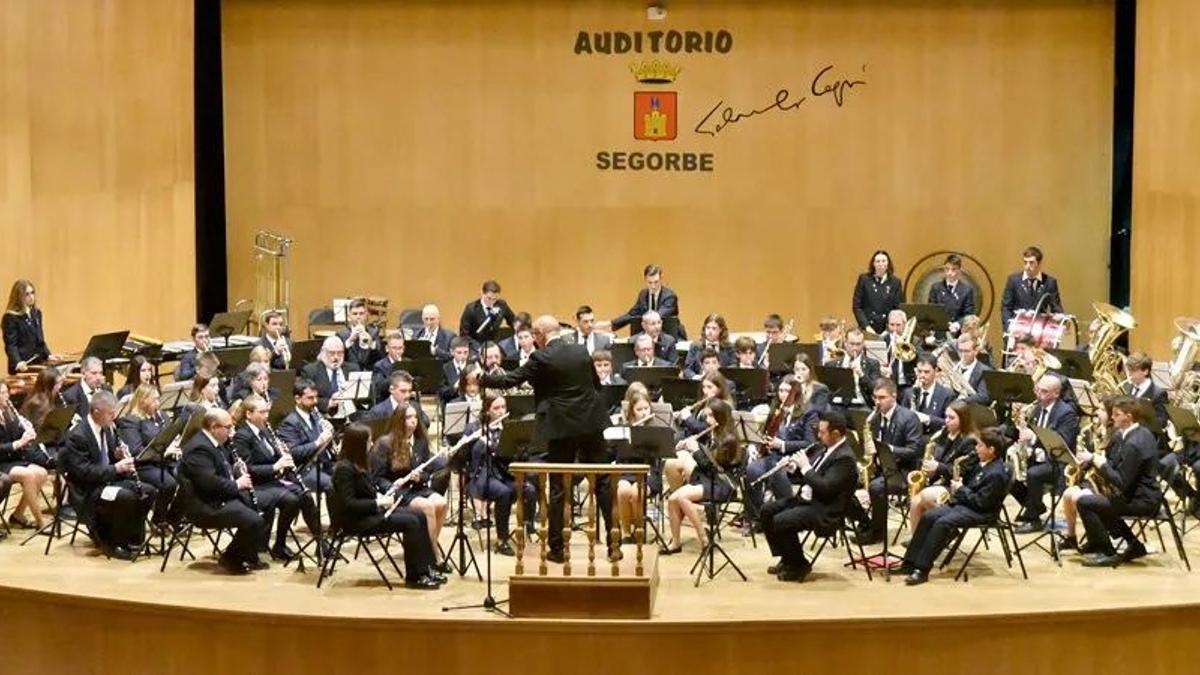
x: 1107, y: 362
x: 919, y: 478
x: 950, y: 376
x: 1186, y: 382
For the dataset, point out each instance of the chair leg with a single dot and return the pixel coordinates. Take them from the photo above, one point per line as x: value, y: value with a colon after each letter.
x: 962, y: 571
x: 367, y: 549
x: 952, y: 549
x: 1175, y: 534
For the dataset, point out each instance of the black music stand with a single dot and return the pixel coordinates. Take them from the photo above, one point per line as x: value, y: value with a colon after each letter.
x: 173, y: 398
x: 106, y: 346
x: 782, y: 355
x: 1147, y: 417
x: 284, y: 382
x: 750, y: 382
x: 648, y: 445
x: 520, y: 406
x: 890, y: 471
x: 981, y: 415
x: 651, y: 376
x: 841, y: 384
x: 281, y: 408
x: 195, y: 422
x: 427, y: 374
x: 931, y: 318
x: 56, y: 423
x: 680, y: 393
x: 1185, y: 422
x: 456, y: 418
x: 227, y: 324
x: 813, y: 351
x: 1075, y: 364
x: 417, y: 349
x: 1008, y: 388
x: 1057, y: 454
x: 622, y: 353
x: 305, y: 352
x: 614, y: 395
x: 671, y: 326
x: 706, y: 562
x: 233, y: 359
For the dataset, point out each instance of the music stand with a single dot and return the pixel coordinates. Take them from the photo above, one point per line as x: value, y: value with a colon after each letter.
x: 378, y: 425
x: 931, y: 318
x: 622, y: 352
x: 226, y: 324
x: 751, y: 382
x: 426, y: 372
x: 1057, y: 454
x: 233, y: 359
x: 671, y: 326
x: 106, y: 346
x: 173, y: 399
x: 981, y: 415
x: 305, y: 352
x: 747, y: 429
x: 282, y: 381
x: 680, y: 393
x: 56, y: 423
x: 651, y: 376
x: 418, y: 349
x: 648, y: 445
x: 519, y: 407
x: 281, y: 408
x: 840, y: 382
x: 813, y: 351
x: 892, y: 476
x: 1085, y: 396
x: 782, y: 355
x: 155, y: 450
x: 195, y: 423
x: 614, y: 395
x: 1007, y: 388
x: 356, y: 388
x: 502, y: 333
x: 1185, y: 422
x: 456, y: 416
x: 1148, y: 417
x: 1076, y: 365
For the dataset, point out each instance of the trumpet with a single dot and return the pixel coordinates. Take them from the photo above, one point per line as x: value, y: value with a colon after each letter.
x: 284, y: 352
x: 364, y: 339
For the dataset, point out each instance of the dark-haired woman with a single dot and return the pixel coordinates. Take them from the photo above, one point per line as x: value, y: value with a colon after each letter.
x: 877, y: 292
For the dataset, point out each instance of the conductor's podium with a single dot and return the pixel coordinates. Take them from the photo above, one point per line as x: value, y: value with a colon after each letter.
x: 586, y: 585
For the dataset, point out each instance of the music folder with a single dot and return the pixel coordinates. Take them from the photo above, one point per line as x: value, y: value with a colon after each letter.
x: 1185, y: 422
x: 106, y: 346
x: 751, y: 381
x: 782, y: 355
x: 647, y: 444
x: 157, y: 447
x: 1005, y: 387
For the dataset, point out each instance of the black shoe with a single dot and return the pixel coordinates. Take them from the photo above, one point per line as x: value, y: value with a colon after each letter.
x: 1106, y: 559
x: 282, y: 552
x: 1068, y: 544
x: 67, y: 513
x: 556, y: 556
x: 437, y: 576
x: 906, y: 568
x: 774, y: 569
x: 232, y: 566
x: 1089, y: 547
x: 916, y: 578
x: 1029, y: 527
x: 422, y: 583
x: 797, y: 574
x: 119, y: 552
x: 615, y: 555
x: 1133, y: 551
x: 256, y: 564
x: 3, y: 535
x: 20, y: 523
x: 480, y: 524
x: 503, y: 548
x: 906, y: 543
x: 531, y: 528
x: 670, y: 551
x: 443, y: 567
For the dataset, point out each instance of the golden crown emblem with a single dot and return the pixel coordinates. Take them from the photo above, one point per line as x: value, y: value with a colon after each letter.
x: 654, y: 71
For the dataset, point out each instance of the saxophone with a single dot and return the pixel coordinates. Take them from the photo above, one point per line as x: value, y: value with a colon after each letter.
x: 1094, y: 475
x: 1074, y: 473
x: 1018, y: 453
x: 868, y: 456
x: 918, y: 479
x: 955, y: 475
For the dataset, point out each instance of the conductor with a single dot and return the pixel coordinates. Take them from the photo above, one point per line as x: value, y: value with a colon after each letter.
x: 570, y: 414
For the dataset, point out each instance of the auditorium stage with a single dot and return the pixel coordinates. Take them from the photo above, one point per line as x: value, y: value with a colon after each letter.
x: 109, y: 613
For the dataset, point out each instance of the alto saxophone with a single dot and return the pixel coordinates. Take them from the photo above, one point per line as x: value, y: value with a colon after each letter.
x: 1074, y: 472
x: 955, y: 476
x: 918, y: 479
x: 1018, y: 453
x: 1094, y: 475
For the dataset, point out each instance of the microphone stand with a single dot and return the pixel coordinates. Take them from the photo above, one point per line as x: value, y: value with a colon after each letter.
x: 489, y: 603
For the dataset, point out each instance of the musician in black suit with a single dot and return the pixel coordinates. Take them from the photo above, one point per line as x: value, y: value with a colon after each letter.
x: 1027, y: 288
x: 329, y: 372
x: 101, y: 478
x: 1130, y: 469
x: 716, y: 338
x: 277, y: 484
x: 1141, y: 386
x: 928, y: 398
x: 218, y: 500
x: 899, y: 371
x: 91, y: 381
x: 360, y: 339
x: 306, y: 434
x: 866, y: 369
x: 644, y: 356
x: 1051, y: 412
x: 955, y: 295
x: 664, y: 344
x: 602, y: 362
x: 276, y: 340
x: 201, y: 344
x: 382, y: 369
x: 521, y: 346
x: 972, y: 369
x: 773, y: 330
x: 877, y: 292
x: 508, y: 346
x: 570, y: 414
x: 971, y: 503
x: 826, y: 482
x: 483, y: 317
x: 585, y: 331
x: 24, y: 333
x: 900, y: 429
x: 400, y: 387
x: 431, y: 331
x: 452, y: 370
x: 655, y: 297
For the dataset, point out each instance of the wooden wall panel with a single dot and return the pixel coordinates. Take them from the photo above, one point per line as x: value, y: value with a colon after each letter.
x: 1166, y: 161
x: 96, y: 163
x: 415, y: 149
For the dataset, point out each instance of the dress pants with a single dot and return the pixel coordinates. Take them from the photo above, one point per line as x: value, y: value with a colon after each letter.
x: 247, y: 524
x: 502, y: 493
x: 289, y: 501
x: 162, y: 478
x: 877, y: 491
x: 586, y: 448
x: 121, y: 521
x: 1037, y: 478
x: 1102, y: 520
x: 934, y: 531
x: 779, y: 484
x: 414, y: 532
x: 783, y: 520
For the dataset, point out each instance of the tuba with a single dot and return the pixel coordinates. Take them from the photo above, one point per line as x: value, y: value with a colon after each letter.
x: 1107, y: 363
x: 1185, y: 382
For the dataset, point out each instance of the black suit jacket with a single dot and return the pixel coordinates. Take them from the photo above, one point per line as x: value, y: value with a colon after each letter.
x: 276, y: 360
x: 475, y: 325
x: 207, y: 469
x: 832, y: 483
x: 1132, y: 469
x: 24, y: 338
x: 186, y: 369
x: 300, y: 437
x: 384, y: 409
x: 319, y: 376
x: 258, y: 453
x: 872, y: 301
x: 352, y: 506
x: 439, y: 346
x: 1019, y: 294
x: 1157, y: 397
x: 866, y: 384
x: 958, y: 303
x: 74, y: 395
x: 80, y: 459
x: 692, y: 363
x: 975, y: 379
x: 984, y: 493
x: 668, y: 305
x: 664, y: 348
x: 941, y: 399
x: 904, y: 436
x: 1063, y: 419
x: 566, y: 391
x: 363, y: 358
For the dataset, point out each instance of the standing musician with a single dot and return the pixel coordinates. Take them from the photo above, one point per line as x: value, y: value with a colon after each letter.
x: 826, y: 485
x: 972, y: 369
x: 664, y: 345
x: 306, y: 433
x: 899, y: 371
x: 136, y: 430
x: 644, y: 355
x: 957, y: 297
x: 275, y: 340
x: 955, y: 443
x: 357, y: 509
x: 585, y: 331
x: 490, y: 479
x: 972, y: 502
x: 1027, y: 289
x: 1130, y: 468
x: 360, y: 339
x: 16, y: 450
x: 1051, y: 412
x: 92, y: 461
x: 865, y: 368
x: 508, y: 346
x: 274, y: 476
x: 24, y: 332
x: 91, y: 382
x: 201, y: 344
x: 482, y: 318
x: 716, y: 338
x: 928, y: 398
x: 394, y: 461
x: 602, y: 362
x: 636, y: 411
x: 901, y: 430
x: 218, y: 500
x: 431, y: 331
x: 571, y: 417
x: 330, y: 372
x: 382, y: 369
x: 655, y: 297
x: 711, y: 480
x: 788, y: 428
x: 877, y: 292
x: 139, y: 372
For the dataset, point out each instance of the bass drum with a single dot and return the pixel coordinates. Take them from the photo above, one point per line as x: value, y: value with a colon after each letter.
x: 1049, y: 331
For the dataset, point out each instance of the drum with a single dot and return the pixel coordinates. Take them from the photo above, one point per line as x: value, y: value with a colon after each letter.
x: 1047, y: 330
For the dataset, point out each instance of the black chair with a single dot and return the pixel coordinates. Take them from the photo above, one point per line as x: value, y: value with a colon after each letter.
x: 1003, y: 527
x: 181, y: 535
x: 54, y: 529
x: 321, y: 317
x: 363, y: 542
x: 1163, y: 515
x: 821, y: 540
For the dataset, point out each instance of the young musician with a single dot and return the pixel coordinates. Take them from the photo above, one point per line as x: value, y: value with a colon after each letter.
x: 602, y: 362
x: 490, y: 479
x: 877, y: 292
x: 483, y: 317
x: 955, y: 442
x: 330, y: 372
x: 139, y: 372
x: 746, y: 357
x: 900, y: 429
x: 523, y: 340
x: 382, y: 369
x: 360, y: 340
x: 813, y: 394
x: 832, y: 334
x: 972, y: 369
x: 585, y: 331
x: 431, y: 331
x: 46, y: 396
x: 275, y: 340
x: 785, y: 430
x: 928, y: 398
x: 1141, y: 386
x: 24, y: 333
x: 1051, y: 412
x: 664, y: 345
x: 306, y: 433
x: 394, y: 465
x: 16, y: 440
x: 637, y: 412
x: 773, y: 331
x: 91, y: 382
x: 716, y: 338
x: 205, y: 391
x: 136, y: 430
x: 866, y: 370
x: 357, y: 509
x: 508, y: 346
x: 710, y: 362
x: 218, y: 499
x: 201, y: 344
x: 1030, y: 288
x: 972, y: 502
x: 900, y: 372
x: 655, y: 297
x: 1093, y: 443
x: 956, y: 296
x: 710, y: 480
x: 460, y: 354
x: 400, y: 391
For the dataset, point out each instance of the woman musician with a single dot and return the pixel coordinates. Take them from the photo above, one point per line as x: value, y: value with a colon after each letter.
x: 638, y: 412
x: 16, y: 439
x: 139, y: 372
x: 717, y: 454
x: 712, y: 386
x: 1100, y: 432
x: 24, y: 333
x: 716, y: 338
x: 393, y: 465
x: 957, y: 441
x: 205, y: 391
x: 137, y: 429
x: 490, y: 479
x: 877, y: 292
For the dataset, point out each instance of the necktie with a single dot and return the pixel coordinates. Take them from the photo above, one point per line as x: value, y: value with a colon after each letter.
x: 103, y: 449
x: 883, y: 428
x: 1043, y: 418
x: 924, y: 401
x: 314, y: 421
x: 653, y: 301
x: 333, y: 379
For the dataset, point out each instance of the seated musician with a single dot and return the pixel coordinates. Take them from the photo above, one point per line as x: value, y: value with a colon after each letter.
x: 382, y: 369
x: 664, y: 345
x: 508, y: 346
x: 1141, y: 385
x: 830, y: 337
x: 205, y: 391
x: 900, y: 429
x: 972, y: 369
x: 786, y: 430
x: 307, y: 434
x: 678, y: 469
x: 586, y: 333
x: 17, y: 447
x: 330, y: 372
x: 773, y: 330
x: 644, y: 356
x: 201, y: 344
x: 91, y: 370
x: 400, y: 387
x: 1030, y: 288
x: 717, y: 454
x: 468, y: 389
x: 716, y: 338
x: 46, y: 396
x: 24, y: 332
x: 813, y: 394
x: 602, y: 362
x: 877, y: 292
x: 431, y: 331
x: 94, y: 460
x: 218, y: 500
x: 357, y: 509
x: 973, y: 501
x: 136, y: 430
x: 5, y: 490
x: 1128, y: 486
x: 1092, y: 437
x: 275, y: 340
x: 954, y: 446
x: 359, y: 338
x: 898, y: 371
x: 866, y: 370
x: 974, y: 327
x: 746, y: 357
x: 452, y: 371
x: 826, y: 480
x: 490, y: 479
x: 710, y: 362
x: 957, y: 297
x: 255, y: 379
x: 396, y: 463
x: 483, y: 317
x: 140, y: 371
x: 928, y: 398
x: 636, y: 412
x: 277, y: 485
x: 1041, y: 473
x: 524, y: 344
x: 655, y: 297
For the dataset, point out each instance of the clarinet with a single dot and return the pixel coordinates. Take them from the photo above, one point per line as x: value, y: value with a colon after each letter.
x: 292, y: 474
x: 122, y: 453
x: 240, y: 465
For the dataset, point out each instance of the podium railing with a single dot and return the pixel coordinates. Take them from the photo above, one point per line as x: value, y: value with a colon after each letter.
x: 566, y: 473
